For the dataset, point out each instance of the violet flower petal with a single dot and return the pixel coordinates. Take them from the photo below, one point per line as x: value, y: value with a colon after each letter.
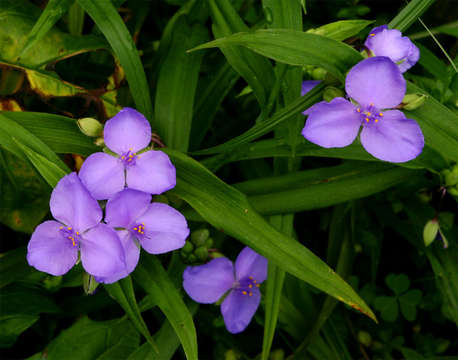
x: 152, y: 173
x: 238, y: 309
x: 308, y: 85
x: 376, y: 80
x: 125, y: 207
x: 206, y: 284
x: 103, y: 175
x: 72, y: 204
x: 49, y: 251
x: 165, y: 229
x: 132, y: 255
x: 250, y: 263
x: 333, y: 124
x: 395, y: 138
x: 389, y: 43
x: 102, y: 254
x: 412, y: 57
x: 128, y: 130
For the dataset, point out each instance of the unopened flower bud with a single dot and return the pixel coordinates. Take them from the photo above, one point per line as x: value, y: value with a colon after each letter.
x: 332, y: 92
x: 188, y: 247
x: 413, y: 101
x: 201, y: 253
x: 209, y: 243
x: 364, y: 338
x: 89, y: 284
x: 277, y: 354
x: 319, y: 74
x: 90, y: 127
x: 430, y: 231
x: 198, y: 237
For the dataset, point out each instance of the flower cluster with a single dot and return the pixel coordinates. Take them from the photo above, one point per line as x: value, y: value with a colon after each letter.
x: 238, y: 284
x: 375, y: 87
x: 110, y: 250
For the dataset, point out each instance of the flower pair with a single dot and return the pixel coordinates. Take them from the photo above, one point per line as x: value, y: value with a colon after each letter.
x: 375, y: 86
x: 208, y: 283
x: 110, y: 250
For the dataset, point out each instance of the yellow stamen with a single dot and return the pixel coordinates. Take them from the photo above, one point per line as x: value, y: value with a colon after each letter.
x: 376, y: 120
x: 250, y: 286
x: 61, y: 227
x: 250, y: 277
x: 368, y: 113
x: 244, y: 292
x: 254, y: 281
x: 258, y: 285
x: 251, y: 294
x: 69, y: 228
x: 77, y: 233
x: 123, y: 157
x: 380, y: 114
x: 371, y: 34
x: 358, y: 110
x: 367, y: 119
x: 371, y: 104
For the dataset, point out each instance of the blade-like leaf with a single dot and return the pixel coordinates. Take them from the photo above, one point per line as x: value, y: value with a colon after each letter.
x: 112, y: 26
x: 49, y: 170
x: 341, y: 30
x: 123, y: 292
x: 177, y: 84
x: 227, y: 209
x: 294, y: 48
x: 409, y: 14
x: 151, y: 276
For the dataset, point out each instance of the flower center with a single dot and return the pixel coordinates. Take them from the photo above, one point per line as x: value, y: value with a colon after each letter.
x: 128, y: 158
x: 369, y: 115
x: 246, y: 286
x: 70, y: 235
x: 139, y: 229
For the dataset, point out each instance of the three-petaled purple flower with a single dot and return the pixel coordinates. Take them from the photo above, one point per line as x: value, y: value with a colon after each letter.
x: 54, y: 245
x: 127, y: 134
x: 390, y: 43
x: 207, y: 283
x: 376, y: 84
x: 157, y: 227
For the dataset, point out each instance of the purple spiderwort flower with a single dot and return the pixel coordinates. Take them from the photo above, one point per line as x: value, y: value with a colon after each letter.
x: 207, y: 283
x: 376, y: 84
x: 126, y: 134
x: 54, y: 245
x: 308, y: 85
x: 157, y: 227
x: 390, y: 43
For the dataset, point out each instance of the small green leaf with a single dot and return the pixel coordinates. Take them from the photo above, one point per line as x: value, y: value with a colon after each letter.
x: 398, y: 283
x: 409, y: 302
x: 388, y: 307
x: 409, y: 14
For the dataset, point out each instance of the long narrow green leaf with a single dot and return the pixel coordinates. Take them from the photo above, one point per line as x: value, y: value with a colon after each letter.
x: 409, y: 14
x: 341, y: 30
x: 177, y: 84
x: 367, y: 180
x: 10, y: 129
x: 294, y: 48
x: 53, y: 11
x: 228, y: 209
x: 49, y: 170
x: 60, y: 133
x: 264, y: 127
x: 152, y: 277
x: 123, y: 292
x: 256, y: 70
x: 112, y: 26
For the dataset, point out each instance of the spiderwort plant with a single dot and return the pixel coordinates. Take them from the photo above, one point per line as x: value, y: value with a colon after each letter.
x: 376, y: 85
x: 207, y: 283
x: 54, y: 245
x: 390, y: 42
x: 127, y: 134
x: 157, y: 227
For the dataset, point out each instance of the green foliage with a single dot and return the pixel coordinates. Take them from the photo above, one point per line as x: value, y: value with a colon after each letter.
x: 336, y: 225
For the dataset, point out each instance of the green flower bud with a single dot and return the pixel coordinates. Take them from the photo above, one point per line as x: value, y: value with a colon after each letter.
x: 332, y: 92
x: 319, y: 74
x: 430, y: 231
x: 90, y: 127
x: 201, y: 253
x: 89, y: 284
x: 277, y: 354
x: 192, y: 258
x: 231, y: 355
x: 188, y: 247
x: 364, y: 338
x: 413, y: 101
x: 52, y: 282
x: 198, y: 237
x: 209, y: 243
